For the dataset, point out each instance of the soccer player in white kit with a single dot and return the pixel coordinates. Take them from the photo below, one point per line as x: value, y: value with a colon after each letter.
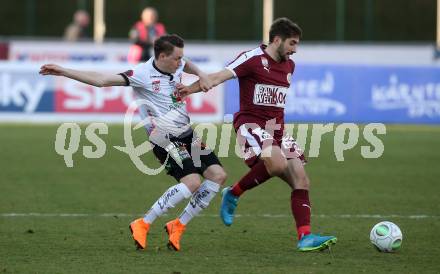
x: 168, y: 127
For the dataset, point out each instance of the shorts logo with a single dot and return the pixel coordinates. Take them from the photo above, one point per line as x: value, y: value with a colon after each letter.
x: 156, y: 85
x: 262, y: 134
x: 267, y: 95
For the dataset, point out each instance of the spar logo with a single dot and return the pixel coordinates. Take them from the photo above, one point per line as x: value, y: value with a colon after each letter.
x: 72, y: 96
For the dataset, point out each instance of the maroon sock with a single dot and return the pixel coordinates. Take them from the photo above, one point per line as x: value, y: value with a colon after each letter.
x: 301, y: 210
x: 257, y: 175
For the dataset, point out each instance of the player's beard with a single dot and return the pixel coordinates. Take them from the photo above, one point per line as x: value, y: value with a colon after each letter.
x: 282, y: 53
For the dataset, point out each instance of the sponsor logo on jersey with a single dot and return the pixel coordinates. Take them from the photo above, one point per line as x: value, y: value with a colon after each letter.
x: 176, y: 97
x: 159, y: 76
x: 177, y: 100
x: 156, y: 85
x: 267, y: 95
x: 289, y: 77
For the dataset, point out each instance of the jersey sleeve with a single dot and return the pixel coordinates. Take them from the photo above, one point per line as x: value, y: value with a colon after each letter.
x: 135, y: 77
x: 241, y: 66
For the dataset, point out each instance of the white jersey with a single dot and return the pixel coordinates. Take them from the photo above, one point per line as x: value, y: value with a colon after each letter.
x: 162, y: 110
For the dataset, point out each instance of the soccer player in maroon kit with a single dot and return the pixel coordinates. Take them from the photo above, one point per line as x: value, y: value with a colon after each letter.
x: 264, y: 75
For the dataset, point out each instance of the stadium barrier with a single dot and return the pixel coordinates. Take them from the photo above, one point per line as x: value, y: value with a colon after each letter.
x: 332, y: 83
x: 26, y: 96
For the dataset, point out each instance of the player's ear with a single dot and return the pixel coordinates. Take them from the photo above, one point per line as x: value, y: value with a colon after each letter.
x: 278, y: 40
x: 162, y: 55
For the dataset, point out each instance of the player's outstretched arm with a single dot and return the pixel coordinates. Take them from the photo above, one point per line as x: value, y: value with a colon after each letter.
x: 216, y: 79
x: 219, y: 77
x: 205, y: 82
x: 88, y: 77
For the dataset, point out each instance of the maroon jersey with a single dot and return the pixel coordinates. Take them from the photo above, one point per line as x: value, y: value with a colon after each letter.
x: 263, y: 88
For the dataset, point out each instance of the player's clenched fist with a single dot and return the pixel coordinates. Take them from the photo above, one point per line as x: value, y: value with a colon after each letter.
x: 183, y: 90
x: 205, y: 82
x: 51, y: 69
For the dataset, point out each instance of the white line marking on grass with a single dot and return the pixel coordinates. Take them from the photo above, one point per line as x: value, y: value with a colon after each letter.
x: 335, y: 216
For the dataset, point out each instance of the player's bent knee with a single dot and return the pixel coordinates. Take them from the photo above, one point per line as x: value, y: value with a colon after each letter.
x: 192, y: 181
x: 277, y: 170
x: 215, y: 173
x: 276, y: 167
x: 219, y: 176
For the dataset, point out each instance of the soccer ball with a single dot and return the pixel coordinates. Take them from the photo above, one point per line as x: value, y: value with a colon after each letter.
x: 386, y: 236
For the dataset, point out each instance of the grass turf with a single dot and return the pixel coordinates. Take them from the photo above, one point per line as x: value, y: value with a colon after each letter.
x: 34, y: 179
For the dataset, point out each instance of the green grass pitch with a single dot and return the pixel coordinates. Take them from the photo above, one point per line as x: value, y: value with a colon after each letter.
x: 402, y: 186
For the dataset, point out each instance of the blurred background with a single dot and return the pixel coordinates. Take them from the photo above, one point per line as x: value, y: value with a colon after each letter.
x: 227, y: 20
x: 359, y: 60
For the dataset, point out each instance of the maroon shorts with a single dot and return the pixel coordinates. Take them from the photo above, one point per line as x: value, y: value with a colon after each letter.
x: 253, y: 139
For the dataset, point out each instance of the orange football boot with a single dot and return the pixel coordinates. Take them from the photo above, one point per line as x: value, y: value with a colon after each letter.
x: 175, y: 230
x: 139, y: 230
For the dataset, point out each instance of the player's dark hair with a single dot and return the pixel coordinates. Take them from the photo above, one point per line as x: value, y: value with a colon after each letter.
x: 284, y: 28
x: 166, y: 44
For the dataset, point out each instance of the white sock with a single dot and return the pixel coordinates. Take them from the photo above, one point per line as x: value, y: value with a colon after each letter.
x: 169, y: 199
x: 199, y: 200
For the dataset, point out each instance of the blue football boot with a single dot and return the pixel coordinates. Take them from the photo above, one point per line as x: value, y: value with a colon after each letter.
x: 313, y: 242
x: 227, y: 208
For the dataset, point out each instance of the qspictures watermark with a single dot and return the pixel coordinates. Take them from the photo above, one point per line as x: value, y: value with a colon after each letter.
x: 345, y: 137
